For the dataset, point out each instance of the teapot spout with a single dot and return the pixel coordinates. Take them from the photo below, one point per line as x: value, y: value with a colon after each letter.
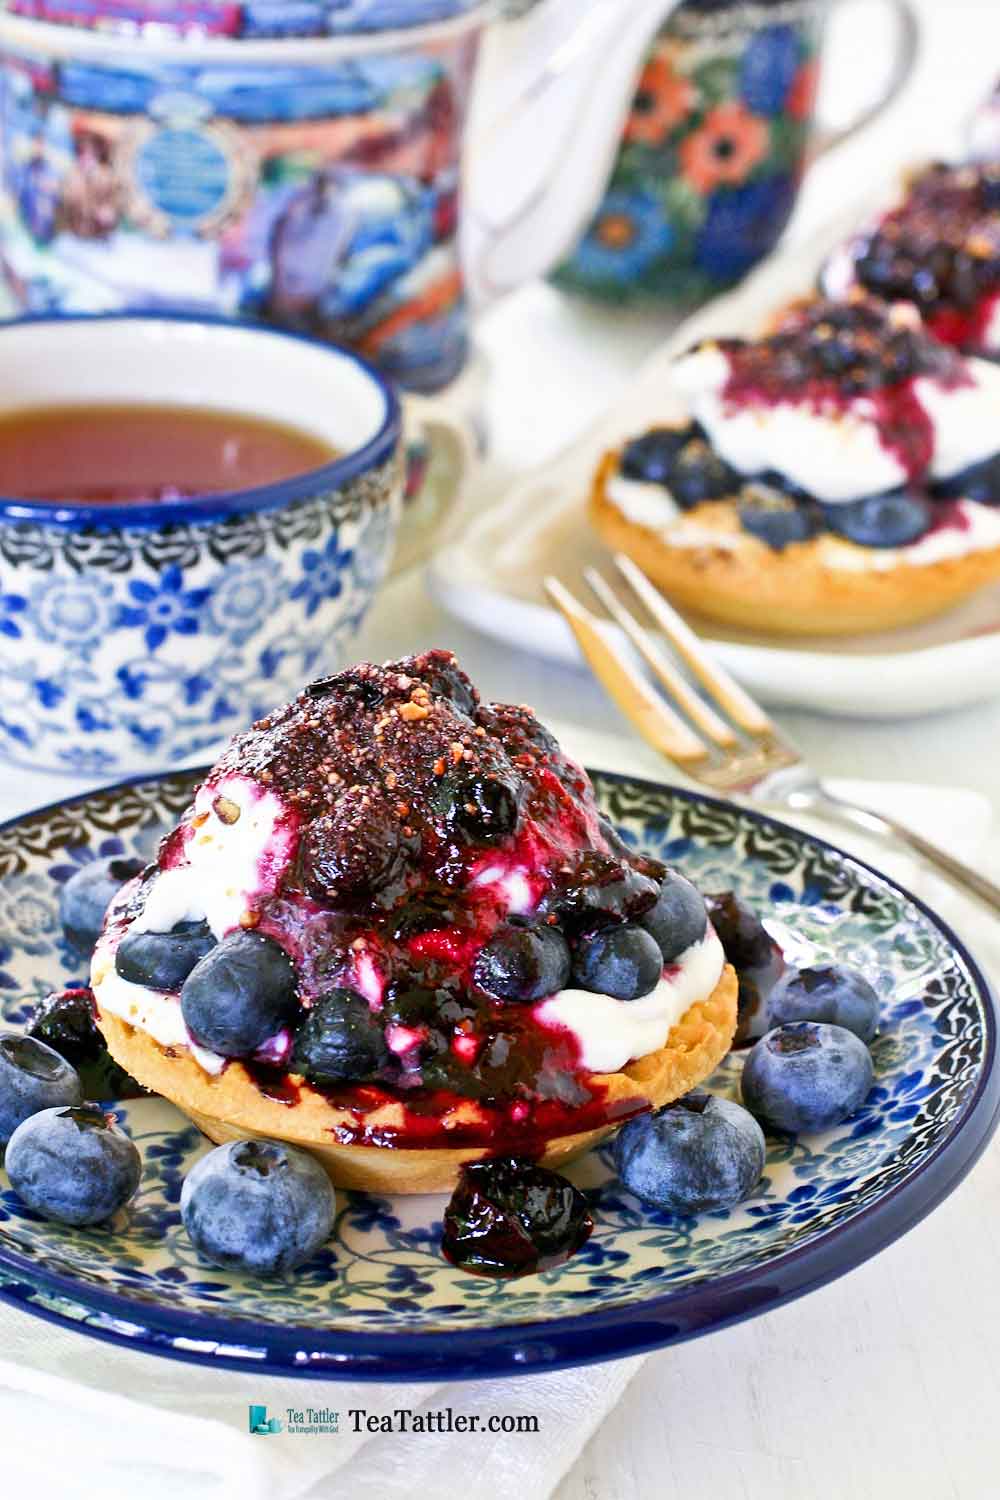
x: 551, y: 103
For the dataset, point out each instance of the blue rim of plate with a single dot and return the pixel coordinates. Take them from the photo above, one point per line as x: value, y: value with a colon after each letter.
x: 561, y: 1343
x: 216, y: 506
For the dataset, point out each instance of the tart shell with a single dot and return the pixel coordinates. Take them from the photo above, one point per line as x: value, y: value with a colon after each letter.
x: 790, y: 592
x: 230, y: 1106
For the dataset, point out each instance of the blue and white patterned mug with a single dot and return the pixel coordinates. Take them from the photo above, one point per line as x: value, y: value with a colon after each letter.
x: 138, y: 636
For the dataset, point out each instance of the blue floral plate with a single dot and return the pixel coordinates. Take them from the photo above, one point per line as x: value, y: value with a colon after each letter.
x: 379, y: 1302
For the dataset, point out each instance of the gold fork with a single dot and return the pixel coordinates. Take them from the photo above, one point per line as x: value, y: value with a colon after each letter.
x: 719, y: 737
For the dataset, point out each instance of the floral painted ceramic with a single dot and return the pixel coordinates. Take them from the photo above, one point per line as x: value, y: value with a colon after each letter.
x: 379, y: 1301
x: 134, y: 637
x: 713, y: 151
x: 318, y: 191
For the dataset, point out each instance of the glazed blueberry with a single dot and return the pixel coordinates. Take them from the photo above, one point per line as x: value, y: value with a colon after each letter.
x: 678, y: 919
x: 74, y: 1165
x: 697, y: 1154
x: 979, y: 481
x: 239, y: 994
x: 806, y: 1076
x: 651, y: 457
x: 259, y: 1206
x: 753, y: 953
x: 523, y: 963
x: 65, y: 1022
x: 832, y: 993
x: 339, y: 1041
x: 163, y: 960
x: 508, y: 1218
x: 894, y: 519
x: 481, y: 809
x: 32, y: 1077
x: 776, y: 518
x: 347, y: 856
x: 603, y: 887
x: 625, y: 962
x: 86, y: 896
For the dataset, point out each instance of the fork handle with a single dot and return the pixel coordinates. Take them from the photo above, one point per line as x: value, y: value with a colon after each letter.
x: 822, y: 800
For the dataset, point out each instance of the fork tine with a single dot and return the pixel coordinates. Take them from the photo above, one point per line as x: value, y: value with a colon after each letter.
x: 736, y: 703
x: 654, y: 719
x: 676, y: 685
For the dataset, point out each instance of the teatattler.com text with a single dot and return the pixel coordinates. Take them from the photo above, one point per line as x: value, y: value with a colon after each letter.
x: 443, y: 1419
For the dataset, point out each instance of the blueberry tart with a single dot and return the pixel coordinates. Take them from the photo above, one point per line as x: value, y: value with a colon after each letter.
x: 937, y: 247
x: 839, y: 475
x: 394, y: 928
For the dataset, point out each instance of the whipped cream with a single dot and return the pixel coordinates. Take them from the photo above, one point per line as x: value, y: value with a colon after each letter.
x: 976, y: 529
x: 152, y: 1011
x: 966, y: 419
x: 611, y: 1033
x: 229, y: 863
x: 837, y: 455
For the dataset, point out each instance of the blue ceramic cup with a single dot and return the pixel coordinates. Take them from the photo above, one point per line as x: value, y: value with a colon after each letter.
x: 138, y: 636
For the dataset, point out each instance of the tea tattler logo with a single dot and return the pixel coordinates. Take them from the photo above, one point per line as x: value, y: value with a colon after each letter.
x: 261, y: 1423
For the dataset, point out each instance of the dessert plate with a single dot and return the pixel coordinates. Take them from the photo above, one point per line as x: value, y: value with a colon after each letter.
x: 379, y: 1302
x: 491, y: 575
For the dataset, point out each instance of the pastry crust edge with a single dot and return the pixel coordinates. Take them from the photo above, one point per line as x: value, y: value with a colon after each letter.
x: 229, y: 1106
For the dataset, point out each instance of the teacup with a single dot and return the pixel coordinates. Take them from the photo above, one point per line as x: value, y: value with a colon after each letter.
x: 134, y: 636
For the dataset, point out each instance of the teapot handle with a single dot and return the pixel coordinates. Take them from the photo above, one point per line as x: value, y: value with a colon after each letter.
x: 540, y: 157
x: 905, y: 51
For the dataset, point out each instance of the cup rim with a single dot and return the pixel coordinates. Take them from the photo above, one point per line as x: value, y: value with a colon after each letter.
x: 79, y: 41
x: 68, y: 514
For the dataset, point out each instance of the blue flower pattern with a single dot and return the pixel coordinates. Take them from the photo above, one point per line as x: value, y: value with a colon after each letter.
x: 382, y: 1270
x: 197, y: 642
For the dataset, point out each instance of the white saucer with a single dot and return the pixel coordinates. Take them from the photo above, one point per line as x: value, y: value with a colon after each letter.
x: 491, y: 576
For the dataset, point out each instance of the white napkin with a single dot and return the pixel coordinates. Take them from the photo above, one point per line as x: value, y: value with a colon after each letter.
x: 163, y: 1428
x: 82, y: 1416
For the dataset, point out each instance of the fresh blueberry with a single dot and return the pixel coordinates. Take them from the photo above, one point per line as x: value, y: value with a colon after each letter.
x: 163, y: 960
x: 239, y: 994
x: 697, y: 1154
x: 65, y: 1022
x: 625, y: 962
x: 979, y: 481
x: 523, y: 963
x: 340, y: 1040
x: 700, y: 474
x: 678, y: 919
x: 651, y: 457
x: 260, y: 1206
x: 806, y: 1076
x: 776, y: 518
x: 32, y: 1077
x: 894, y: 519
x: 832, y: 993
x: 509, y: 1217
x: 74, y: 1165
x: 86, y: 896
x: 480, y: 808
